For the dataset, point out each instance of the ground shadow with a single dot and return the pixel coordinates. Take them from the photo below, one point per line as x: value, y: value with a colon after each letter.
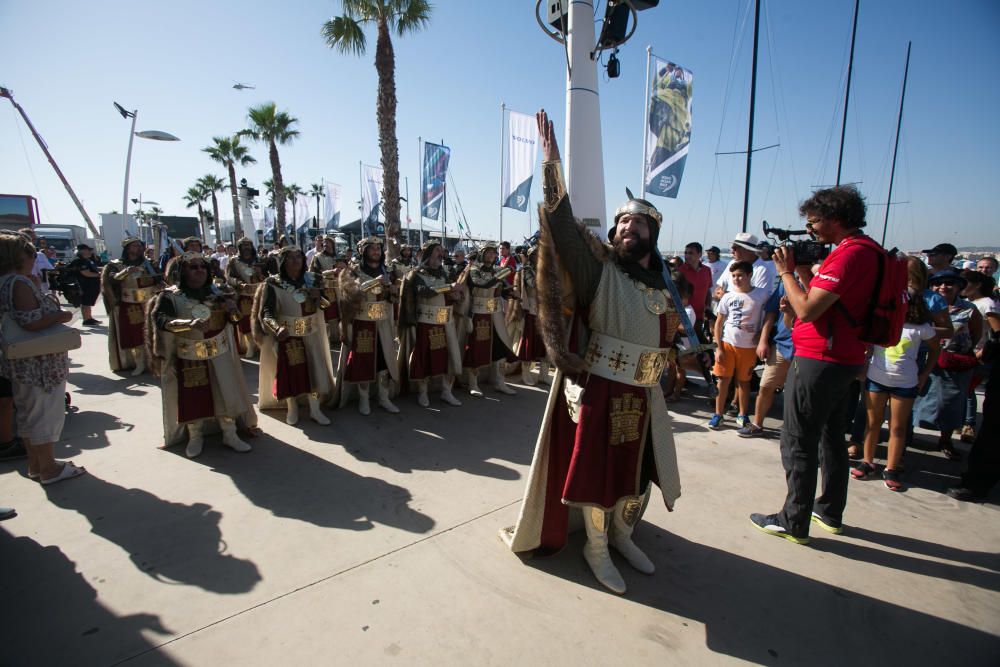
x: 292, y: 483
x: 50, y: 613
x: 86, y: 430
x: 92, y: 384
x: 170, y: 542
x: 763, y: 614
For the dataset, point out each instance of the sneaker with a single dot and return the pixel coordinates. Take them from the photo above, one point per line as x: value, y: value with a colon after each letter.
x: 715, y: 422
x: 13, y: 450
x: 750, y: 431
x: 742, y: 421
x: 829, y: 525
x: 893, y: 480
x: 864, y: 471
x: 769, y: 524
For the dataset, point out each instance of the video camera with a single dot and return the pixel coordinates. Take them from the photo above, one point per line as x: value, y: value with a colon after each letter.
x: 807, y: 252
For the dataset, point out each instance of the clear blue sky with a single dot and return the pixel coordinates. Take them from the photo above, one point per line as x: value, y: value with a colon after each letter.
x: 176, y: 62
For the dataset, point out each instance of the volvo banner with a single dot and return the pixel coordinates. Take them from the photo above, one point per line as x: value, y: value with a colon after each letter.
x: 520, y: 153
x: 668, y: 132
x: 432, y: 180
x: 371, y: 198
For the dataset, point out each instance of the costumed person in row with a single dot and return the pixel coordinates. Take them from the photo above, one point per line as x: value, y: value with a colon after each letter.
x: 429, y: 346
x: 324, y: 266
x: 170, y: 257
x: 487, y: 343
x: 244, y: 273
x: 368, y: 352
x: 530, y: 347
x: 193, y: 351
x: 126, y: 285
x: 288, y: 326
x: 271, y: 262
x: 399, y: 265
x: 606, y: 433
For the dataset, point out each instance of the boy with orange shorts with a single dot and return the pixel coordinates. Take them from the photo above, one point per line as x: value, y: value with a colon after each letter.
x: 737, y: 326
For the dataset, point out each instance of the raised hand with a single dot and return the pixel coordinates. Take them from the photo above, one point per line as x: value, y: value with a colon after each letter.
x: 547, y: 136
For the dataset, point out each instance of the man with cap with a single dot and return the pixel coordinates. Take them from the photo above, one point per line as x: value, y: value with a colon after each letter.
x: 368, y: 353
x: 244, y: 273
x: 429, y: 346
x: 940, y: 257
x: 324, y: 268
x: 488, y: 343
x: 88, y: 273
x: 744, y: 249
x: 714, y: 262
x: 606, y: 434
x: 288, y: 326
x: 193, y: 351
x: 126, y: 285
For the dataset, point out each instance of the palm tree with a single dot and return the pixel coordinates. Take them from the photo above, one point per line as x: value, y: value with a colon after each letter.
x: 273, y: 127
x: 195, y: 196
x: 156, y: 211
x: 269, y: 191
x: 293, y: 191
x: 211, y: 184
x: 316, y: 190
x: 345, y: 33
x: 228, y: 151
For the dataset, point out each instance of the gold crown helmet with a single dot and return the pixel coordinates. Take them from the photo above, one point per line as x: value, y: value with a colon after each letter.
x: 367, y: 241
x: 427, y: 247
x: 129, y: 240
x: 244, y: 241
x: 635, y: 206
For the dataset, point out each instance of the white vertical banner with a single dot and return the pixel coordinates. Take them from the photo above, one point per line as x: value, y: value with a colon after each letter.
x: 371, y: 198
x: 331, y: 213
x: 302, y: 213
x: 521, y: 152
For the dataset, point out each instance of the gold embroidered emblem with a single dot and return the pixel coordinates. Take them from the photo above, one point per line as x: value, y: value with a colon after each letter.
x: 630, y: 511
x: 195, y: 374
x: 134, y: 314
x: 618, y: 360
x: 650, y: 367
x: 296, y: 352
x: 626, y: 411
x: 364, y: 342
x: 594, y: 353
x: 484, y: 330
x: 436, y: 338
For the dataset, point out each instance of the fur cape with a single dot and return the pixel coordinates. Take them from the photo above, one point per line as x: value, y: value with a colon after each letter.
x: 256, y: 326
x: 111, y: 288
x: 556, y: 300
x: 153, y: 338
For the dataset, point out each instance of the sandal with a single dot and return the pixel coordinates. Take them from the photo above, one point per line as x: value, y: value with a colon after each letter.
x: 69, y: 471
x: 892, y: 479
x: 864, y: 471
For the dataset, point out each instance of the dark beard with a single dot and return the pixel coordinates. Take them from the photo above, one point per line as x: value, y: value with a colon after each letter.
x: 637, y: 252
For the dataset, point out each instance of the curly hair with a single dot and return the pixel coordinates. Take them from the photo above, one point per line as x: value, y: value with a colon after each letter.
x: 843, y: 203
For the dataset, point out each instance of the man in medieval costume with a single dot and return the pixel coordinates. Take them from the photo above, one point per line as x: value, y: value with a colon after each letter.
x: 429, y: 346
x: 324, y: 268
x: 487, y: 342
x: 606, y: 434
x: 288, y: 326
x: 244, y: 273
x: 368, y: 352
x: 193, y: 351
x: 529, y: 347
x: 127, y: 284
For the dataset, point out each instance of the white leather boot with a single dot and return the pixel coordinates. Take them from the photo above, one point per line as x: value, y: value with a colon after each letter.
x: 543, y: 373
x: 526, y: 376
x: 251, y: 347
x: 422, y: 399
x: 195, y: 440
x: 595, y: 551
x: 447, y: 382
x: 292, y: 418
x: 139, y: 354
x: 499, y: 383
x: 230, y: 438
x: 363, y: 405
x: 473, y: 382
x: 383, y: 394
x: 315, y: 413
x: 626, y: 516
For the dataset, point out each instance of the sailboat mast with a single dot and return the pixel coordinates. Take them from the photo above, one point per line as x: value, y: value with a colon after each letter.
x: 753, y: 100
x: 899, y: 124
x: 847, y: 94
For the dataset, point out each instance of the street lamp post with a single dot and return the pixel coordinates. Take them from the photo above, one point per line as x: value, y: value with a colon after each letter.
x: 156, y: 135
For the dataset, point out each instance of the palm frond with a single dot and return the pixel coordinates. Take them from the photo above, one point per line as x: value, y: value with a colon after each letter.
x: 344, y: 34
x: 411, y: 16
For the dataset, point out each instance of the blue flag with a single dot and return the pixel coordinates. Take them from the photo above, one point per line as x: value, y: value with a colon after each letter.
x: 432, y: 179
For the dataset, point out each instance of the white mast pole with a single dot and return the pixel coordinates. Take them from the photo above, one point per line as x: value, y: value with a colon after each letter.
x: 503, y: 107
x: 645, y: 116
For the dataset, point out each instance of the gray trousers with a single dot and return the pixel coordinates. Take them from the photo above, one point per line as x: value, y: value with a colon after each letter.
x: 812, y: 437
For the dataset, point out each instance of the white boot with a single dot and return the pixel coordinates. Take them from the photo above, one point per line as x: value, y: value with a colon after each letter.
x: 499, y: 383
x: 139, y: 354
x: 292, y: 418
x: 422, y: 399
x: 473, y: 376
x: 626, y: 516
x: 315, y: 413
x: 595, y: 551
x: 446, y: 395
x: 251, y: 347
x: 363, y: 406
x: 383, y: 394
x: 229, y: 437
x: 543, y: 373
x: 526, y: 376
x: 195, y: 440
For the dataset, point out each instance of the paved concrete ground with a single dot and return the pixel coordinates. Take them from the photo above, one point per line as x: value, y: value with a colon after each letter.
x: 374, y: 541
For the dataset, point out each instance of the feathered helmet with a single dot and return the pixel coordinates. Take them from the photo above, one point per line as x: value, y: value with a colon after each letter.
x: 636, y: 206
